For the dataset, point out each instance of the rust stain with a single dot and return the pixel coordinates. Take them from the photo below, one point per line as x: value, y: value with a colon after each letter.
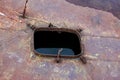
x: 101, y: 38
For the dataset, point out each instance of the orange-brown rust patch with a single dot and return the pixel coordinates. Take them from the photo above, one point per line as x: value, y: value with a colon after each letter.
x: 101, y: 40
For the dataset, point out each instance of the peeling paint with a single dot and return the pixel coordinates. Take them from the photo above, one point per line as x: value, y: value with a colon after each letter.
x: 18, y: 58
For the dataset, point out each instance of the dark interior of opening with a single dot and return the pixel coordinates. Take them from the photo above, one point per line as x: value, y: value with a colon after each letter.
x: 50, y: 42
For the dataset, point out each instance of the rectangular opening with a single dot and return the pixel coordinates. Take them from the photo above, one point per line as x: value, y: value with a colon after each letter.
x: 49, y: 42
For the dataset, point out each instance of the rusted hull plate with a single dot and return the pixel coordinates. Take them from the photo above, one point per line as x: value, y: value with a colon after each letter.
x: 102, y: 48
x: 93, y: 21
x: 101, y: 40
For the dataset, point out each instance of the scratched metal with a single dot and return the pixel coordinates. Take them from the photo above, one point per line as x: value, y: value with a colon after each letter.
x: 101, y: 38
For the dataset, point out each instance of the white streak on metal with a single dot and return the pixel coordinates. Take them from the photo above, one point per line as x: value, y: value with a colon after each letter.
x: 2, y: 14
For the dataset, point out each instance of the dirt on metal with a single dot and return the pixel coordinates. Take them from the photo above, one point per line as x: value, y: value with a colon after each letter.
x: 99, y: 20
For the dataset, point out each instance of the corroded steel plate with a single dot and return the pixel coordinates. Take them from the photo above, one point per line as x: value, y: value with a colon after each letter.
x: 99, y: 20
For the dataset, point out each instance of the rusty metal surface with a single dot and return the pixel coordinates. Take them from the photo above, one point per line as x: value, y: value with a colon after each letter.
x: 101, y: 37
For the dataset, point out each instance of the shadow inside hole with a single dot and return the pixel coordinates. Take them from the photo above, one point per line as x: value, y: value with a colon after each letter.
x: 50, y: 42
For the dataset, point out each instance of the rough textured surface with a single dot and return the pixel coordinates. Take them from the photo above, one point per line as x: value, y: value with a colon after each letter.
x: 101, y: 37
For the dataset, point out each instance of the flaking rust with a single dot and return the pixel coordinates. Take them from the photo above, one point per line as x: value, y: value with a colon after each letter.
x: 93, y: 17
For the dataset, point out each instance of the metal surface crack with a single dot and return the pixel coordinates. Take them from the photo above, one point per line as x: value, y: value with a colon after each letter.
x: 107, y: 60
x: 114, y: 37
